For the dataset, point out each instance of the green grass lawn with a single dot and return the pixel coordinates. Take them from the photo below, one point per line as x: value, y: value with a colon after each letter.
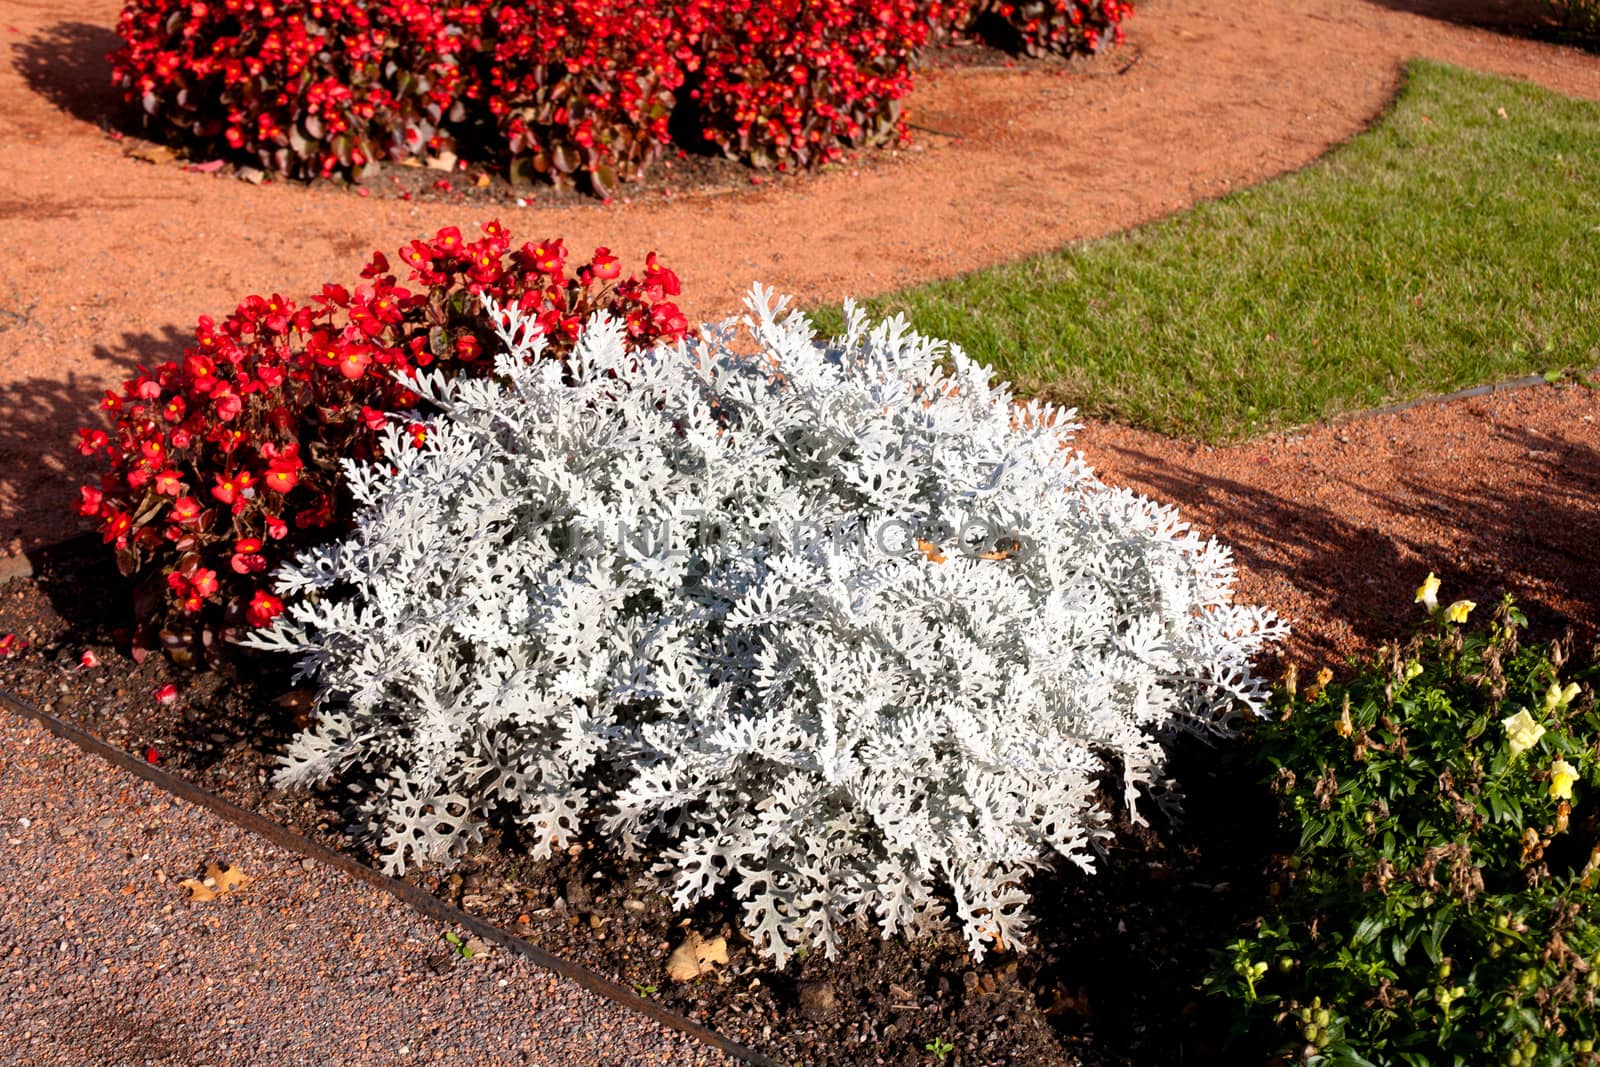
x: 1456, y: 243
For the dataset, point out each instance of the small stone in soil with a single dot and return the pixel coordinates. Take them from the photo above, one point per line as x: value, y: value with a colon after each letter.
x: 817, y: 1000
x: 578, y: 895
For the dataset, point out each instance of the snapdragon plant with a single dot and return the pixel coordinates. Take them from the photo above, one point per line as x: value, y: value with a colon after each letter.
x: 1439, y: 905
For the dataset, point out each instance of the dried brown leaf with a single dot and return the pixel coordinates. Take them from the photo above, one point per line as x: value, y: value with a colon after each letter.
x: 695, y: 957
x: 151, y: 153
x: 219, y: 881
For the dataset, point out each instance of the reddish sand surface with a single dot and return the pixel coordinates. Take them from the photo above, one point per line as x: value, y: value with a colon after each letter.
x: 107, y: 261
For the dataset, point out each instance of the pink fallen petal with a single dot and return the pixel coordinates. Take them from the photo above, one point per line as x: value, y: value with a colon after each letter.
x: 89, y: 661
x: 208, y: 167
x: 166, y: 694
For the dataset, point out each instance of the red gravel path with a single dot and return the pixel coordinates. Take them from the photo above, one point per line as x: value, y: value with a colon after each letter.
x: 105, y: 260
x: 1336, y: 526
x: 106, y: 962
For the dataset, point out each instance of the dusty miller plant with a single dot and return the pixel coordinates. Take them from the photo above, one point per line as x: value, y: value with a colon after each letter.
x: 838, y: 627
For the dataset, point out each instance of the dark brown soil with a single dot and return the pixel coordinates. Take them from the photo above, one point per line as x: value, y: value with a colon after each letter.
x: 1111, y: 977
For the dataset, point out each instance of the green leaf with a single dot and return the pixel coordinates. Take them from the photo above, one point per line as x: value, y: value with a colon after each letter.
x: 604, y: 181
x: 1433, y: 943
x: 1367, y: 930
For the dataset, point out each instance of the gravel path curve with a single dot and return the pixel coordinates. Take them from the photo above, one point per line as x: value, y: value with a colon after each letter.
x: 107, y: 963
x: 108, y: 261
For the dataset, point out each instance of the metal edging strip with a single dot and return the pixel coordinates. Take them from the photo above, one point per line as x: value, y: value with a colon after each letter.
x: 416, y: 898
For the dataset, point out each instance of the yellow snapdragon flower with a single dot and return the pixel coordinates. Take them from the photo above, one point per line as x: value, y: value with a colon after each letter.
x: 1562, y: 775
x: 1428, y: 593
x: 1459, y: 611
x: 1557, y: 697
x: 1523, y: 731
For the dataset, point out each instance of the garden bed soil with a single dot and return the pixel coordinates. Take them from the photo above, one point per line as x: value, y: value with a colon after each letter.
x: 1333, y: 527
x: 1111, y: 976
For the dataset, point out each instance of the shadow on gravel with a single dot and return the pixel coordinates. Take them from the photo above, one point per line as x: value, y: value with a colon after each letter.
x: 40, y: 466
x: 66, y: 64
x: 1520, y: 539
x: 1325, y: 555
x: 1520, y: 535
x: 1531, y: 19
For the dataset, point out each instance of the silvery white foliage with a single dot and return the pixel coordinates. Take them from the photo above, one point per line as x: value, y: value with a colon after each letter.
x: 838, y: 627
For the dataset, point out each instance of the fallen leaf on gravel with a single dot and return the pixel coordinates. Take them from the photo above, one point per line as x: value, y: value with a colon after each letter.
x: 253, y: 175
x: 695, y: 957
x: 218, y: 882
x: 152, y: 153
x: 483, y: 181
x: 445, y: 160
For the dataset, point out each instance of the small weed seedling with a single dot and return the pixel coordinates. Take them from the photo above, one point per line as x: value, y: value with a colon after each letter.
x: 461, y: 948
